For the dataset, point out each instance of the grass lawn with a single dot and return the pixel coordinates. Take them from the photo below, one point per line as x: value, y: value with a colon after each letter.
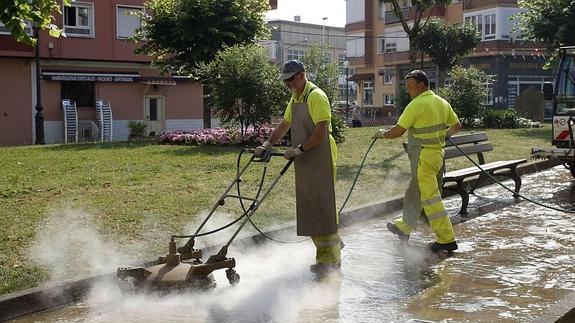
x: 136, y: 194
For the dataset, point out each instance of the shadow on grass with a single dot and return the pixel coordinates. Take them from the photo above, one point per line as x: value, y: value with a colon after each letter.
x: 203, y: 150
x: 536, y: 133
x: 102, y: 145
x: 348, y: 172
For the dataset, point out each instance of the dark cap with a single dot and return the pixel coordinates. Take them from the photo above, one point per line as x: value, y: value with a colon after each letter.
x: 419, y: 76
x: 291, y: 68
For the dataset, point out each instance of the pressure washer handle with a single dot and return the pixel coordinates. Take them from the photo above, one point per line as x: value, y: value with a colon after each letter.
x: 265, y: 157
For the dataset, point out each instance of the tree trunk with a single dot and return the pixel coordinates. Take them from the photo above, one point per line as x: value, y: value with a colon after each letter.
x: 440, y: 77
x: 412, y: 52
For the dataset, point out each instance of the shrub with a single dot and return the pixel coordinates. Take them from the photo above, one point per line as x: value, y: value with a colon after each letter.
x: 137, y: 129
x: 338, y: 127
x: 467, y: 93
x: 500, y: 119
x: 217, y: 136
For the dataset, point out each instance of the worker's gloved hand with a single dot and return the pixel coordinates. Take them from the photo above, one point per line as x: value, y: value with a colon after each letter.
x: 293, y: 152
x: 378, y: 134
x: 260, y: 149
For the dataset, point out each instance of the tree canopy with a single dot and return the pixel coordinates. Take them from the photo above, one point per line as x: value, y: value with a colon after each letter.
x: 412, y: 27
x: 180, y: 34
x: 467, y: 93
x: 17, y: 14
x: 324, y: 72
x: 446, y: 44
x: 548, y: 21
x: 243, y: 86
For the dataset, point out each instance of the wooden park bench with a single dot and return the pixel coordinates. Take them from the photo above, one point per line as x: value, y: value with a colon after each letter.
x: 471, y: 144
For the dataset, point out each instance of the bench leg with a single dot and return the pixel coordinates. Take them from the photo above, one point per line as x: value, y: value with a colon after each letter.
x: 517, y: 179
x: 478, y: 182
x: 459, y: 189
x: 464, y: 197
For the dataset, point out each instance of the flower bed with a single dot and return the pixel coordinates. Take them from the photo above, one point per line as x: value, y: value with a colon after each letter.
x: 216, y: 136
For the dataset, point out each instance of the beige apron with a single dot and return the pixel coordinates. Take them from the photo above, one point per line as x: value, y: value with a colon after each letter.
x: 412, y: 208
x: 315, y: 191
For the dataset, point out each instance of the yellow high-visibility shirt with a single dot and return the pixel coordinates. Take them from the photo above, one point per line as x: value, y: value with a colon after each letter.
x: 319, y: 111
x: 427, y: 117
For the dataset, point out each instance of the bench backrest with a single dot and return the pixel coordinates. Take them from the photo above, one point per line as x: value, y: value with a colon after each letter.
x: 470, y: 143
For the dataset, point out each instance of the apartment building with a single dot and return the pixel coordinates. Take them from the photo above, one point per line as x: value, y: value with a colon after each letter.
x: 95, y: 61
x: 291, y: 39
x: 377, y: 47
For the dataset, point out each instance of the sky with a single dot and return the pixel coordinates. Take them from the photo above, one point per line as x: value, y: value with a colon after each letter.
x: 311, y: 11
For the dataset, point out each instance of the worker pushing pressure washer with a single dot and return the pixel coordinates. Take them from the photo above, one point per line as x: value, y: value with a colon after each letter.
x: 429, y: 120
x: 314, y: 151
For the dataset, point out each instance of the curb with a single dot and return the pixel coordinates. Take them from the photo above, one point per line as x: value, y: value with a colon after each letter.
x: 39, y: 299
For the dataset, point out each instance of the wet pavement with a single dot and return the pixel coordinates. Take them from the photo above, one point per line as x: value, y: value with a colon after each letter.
x: 513, y: 262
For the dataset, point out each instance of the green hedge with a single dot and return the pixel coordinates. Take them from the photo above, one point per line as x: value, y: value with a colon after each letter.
x: 500, y: 119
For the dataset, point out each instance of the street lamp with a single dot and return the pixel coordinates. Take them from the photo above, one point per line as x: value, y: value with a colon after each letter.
x: 346, y: 66
x: 39, y: 117
x: 283, y: 50
x: 322, y: 34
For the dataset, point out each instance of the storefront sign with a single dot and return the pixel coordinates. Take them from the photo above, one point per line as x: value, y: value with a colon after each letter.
x: 78, y: 77
x: 525, y: 66
x: 482, y: 66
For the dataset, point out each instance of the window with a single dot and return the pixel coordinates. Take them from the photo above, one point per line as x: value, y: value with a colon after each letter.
x: 489, y: 27
x: 127, y: 23
x: 387, y: 99
x: 390, y: 47
x: 81, y: 92
x: 489, y: 94
x: 5, y: 31
x: 355, y: 47
x: 79, y: 19
x: 477, y: 22
x: 381, y: 45
x: 342, y: 92
x: 295, y: 54
x: 368, y: 93
x: 340, y: 61
x: 388, y: 77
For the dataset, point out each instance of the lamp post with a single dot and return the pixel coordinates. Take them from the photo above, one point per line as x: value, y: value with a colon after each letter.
x: 346, y: 66
x: 283, y: 50
x: 322, y: 34
x: 39, y: 117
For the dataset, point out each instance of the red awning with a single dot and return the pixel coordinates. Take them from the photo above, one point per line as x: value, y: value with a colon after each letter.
x: 361, y: 77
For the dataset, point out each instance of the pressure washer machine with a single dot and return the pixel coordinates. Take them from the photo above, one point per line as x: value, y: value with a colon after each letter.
x: 182, y: 268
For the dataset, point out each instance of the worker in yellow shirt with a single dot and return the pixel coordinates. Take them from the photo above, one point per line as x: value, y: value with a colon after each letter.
x: 314, y: 151
x: 430, y: 120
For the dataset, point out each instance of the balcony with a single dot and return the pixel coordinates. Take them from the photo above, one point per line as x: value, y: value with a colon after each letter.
x: 409, y: 13
x: 391, y: 18
x: 396, y: 58
x: 476, y: 4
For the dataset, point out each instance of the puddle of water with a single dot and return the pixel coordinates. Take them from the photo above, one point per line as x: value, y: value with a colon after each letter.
x: 513, y: 263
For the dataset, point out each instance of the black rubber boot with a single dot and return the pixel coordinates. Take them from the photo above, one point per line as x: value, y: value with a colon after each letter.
x: 321, y: 268
x: 395, y: 230
x: 447, y: 247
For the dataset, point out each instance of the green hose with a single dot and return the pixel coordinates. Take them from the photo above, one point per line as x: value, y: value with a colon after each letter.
x: 356, y: 176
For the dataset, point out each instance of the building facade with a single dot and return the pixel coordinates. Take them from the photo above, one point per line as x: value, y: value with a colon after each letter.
x: 291, y: 39
x: 95, y: 61
x: 379, y: 50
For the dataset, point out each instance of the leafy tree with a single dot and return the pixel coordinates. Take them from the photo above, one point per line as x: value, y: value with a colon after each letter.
x: 244, y: 86
x: 15, y: 14
x: 324, y: 73
x: 446, y: 44
x: 401, y: 100
x: 180, y: 34
x: 548, y: 21
x: 420, y: 8
x: 467, y: 93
